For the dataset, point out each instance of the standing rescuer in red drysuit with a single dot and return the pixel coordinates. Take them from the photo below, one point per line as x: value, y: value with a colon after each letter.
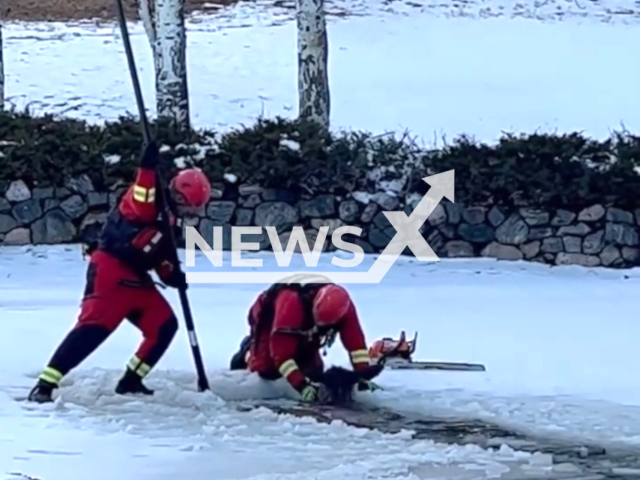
x: 290, y: 323
x: 118, y: 283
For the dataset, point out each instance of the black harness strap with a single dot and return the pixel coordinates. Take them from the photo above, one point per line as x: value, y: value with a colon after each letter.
x: 309, y: 329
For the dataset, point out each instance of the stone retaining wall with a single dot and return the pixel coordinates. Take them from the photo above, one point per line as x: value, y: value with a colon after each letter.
x: 594, y: 236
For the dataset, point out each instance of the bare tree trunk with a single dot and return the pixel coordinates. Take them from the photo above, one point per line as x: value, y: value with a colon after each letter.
x: 146, y: 10
x: 170, y: 51
x: 313, y: 53
x: 1, y: 70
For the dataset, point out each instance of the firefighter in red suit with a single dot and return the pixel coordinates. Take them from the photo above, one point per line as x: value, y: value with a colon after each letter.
x: 118, y: 284
x: 290, y: 323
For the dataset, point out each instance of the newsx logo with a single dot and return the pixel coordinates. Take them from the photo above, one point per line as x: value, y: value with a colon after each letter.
x: 407, y: 236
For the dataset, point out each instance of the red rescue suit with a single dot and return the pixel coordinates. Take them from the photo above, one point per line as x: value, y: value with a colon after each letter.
x: 285, y: 340
x: 130, y: 246
x: 118, y: 286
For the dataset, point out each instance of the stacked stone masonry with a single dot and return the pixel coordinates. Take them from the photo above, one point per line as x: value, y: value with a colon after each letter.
x: 594, y: 236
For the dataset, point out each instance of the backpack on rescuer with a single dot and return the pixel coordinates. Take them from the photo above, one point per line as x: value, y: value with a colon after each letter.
x: 307, y: 292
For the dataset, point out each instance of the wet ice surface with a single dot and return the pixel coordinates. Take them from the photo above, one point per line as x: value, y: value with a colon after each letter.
x: 553, y: 458
x: 531, y: 384
x: 199, y: 435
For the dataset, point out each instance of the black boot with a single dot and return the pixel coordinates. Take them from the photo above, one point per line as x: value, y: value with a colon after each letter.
x: 131, y: 382
x: 238, y: 361
x: 42, y: 392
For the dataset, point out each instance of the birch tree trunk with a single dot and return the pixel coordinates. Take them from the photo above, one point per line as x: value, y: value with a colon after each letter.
x: 313, y: 53
x: 170, y: 58
x: 146, y: 11
x: 1, y: 69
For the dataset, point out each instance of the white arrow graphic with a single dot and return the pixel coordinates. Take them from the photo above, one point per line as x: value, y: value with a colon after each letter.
x: 408, y: 228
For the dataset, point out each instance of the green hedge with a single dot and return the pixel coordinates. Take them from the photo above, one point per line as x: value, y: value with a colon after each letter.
x: 561, y: 171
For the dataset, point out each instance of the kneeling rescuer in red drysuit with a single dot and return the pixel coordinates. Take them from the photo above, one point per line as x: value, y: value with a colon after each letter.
x: 118, y: 284
x: 289, y: 324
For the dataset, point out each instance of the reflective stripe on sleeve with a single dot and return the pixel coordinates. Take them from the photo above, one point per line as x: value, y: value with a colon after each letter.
x: 287, y: 368
x: 144, y: 195
x: 359, y: 356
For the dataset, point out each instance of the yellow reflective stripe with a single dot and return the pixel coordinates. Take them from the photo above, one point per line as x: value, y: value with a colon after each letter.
x: 359, y: 356
x: 51, y: 375
x: 288, y: 367
x: 138, y: 366
x: 144, y: 195
x: 139, y: 193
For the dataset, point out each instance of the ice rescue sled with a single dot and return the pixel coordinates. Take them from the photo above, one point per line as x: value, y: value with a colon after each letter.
x: 397, y: 355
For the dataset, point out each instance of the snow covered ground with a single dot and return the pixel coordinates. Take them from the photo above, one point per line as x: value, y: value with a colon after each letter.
x: 431, y: 67
x: 559, y: 345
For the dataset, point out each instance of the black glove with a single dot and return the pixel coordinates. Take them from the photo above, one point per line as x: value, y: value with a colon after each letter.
x: 150, y: 156
x: 177, y: 279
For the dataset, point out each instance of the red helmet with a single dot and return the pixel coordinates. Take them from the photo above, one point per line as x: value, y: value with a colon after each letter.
x: 193, y: 186
x: 330, y: 304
